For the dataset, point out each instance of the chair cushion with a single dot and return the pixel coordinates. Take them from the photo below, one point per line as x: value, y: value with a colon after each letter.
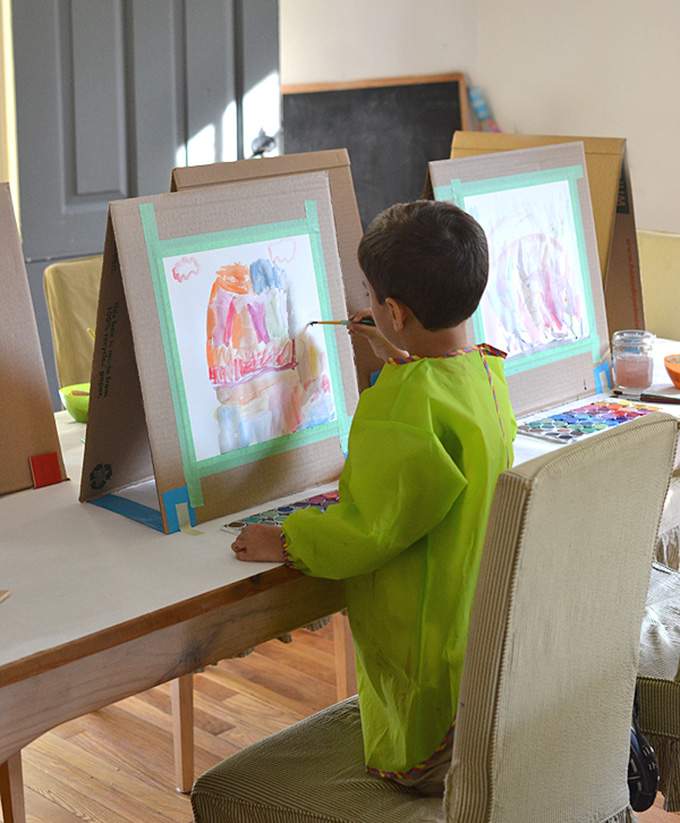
x: 660, y: 634
x: 659, y: 679
x: 312, y: 772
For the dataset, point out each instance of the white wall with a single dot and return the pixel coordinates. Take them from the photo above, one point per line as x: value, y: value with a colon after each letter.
x: 324, y: 41
x: 607, y: 68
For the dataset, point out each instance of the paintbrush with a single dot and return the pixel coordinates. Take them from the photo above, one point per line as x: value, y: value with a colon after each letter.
x: 653, y: 398
x: 365, y: 321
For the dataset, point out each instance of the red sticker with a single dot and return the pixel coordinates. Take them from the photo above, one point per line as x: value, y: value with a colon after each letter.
x: 45, y: 469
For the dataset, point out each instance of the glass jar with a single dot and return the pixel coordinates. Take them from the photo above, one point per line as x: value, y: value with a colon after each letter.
x: 632, y: 356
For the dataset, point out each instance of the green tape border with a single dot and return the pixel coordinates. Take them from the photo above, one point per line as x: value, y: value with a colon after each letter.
x: 457, y: 192
x: 194, y: 470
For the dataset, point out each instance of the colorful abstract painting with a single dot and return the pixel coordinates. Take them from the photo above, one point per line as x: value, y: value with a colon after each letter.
x: 536, y: 294
x: 253, y: 367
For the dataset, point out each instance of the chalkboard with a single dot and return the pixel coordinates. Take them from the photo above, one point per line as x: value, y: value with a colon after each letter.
x: 391, y: 129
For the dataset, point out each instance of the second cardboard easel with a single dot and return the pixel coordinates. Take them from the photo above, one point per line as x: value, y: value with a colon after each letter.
x: 612, y: 200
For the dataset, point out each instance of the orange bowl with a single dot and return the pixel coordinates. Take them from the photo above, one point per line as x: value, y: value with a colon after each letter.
x: 672, y: 364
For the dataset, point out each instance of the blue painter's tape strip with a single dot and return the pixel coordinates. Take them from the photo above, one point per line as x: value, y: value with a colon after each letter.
x: 603, y: 370
x: 131, y: 509
x: 373, y: 376
x: 172, y: 499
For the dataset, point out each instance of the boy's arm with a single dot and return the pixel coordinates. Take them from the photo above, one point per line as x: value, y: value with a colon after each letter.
x: 397, y: 486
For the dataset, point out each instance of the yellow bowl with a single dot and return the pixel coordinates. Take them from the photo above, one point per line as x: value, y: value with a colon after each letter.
x: 672, y: 364
x: 76, y: 399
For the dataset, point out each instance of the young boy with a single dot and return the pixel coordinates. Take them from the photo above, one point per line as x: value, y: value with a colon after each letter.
x: 426, y: 446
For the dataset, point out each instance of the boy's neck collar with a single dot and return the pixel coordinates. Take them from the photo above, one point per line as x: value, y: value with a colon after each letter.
x: 483, y: 348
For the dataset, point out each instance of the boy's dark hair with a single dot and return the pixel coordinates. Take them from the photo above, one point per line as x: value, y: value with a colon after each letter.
x: 431, y: 256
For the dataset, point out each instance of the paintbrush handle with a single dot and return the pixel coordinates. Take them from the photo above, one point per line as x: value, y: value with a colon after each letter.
x: 365, y: 321
x: 652, y: 398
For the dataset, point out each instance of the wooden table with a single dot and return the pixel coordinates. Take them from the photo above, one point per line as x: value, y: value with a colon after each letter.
x: 102, y: 607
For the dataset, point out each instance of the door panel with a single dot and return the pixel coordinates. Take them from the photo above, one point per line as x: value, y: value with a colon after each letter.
x: 93, y: 37
x: 156, y: 96
x: 111, y: 95
x: 211, y: 83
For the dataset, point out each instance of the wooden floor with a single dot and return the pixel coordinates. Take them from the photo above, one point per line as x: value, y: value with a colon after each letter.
x: 656, y: 814
x: 115, y: 765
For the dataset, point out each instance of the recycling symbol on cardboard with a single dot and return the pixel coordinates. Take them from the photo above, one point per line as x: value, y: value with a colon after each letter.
x: 100, y: 475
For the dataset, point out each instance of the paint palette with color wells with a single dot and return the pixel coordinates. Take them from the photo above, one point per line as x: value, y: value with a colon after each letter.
x: 276, y: 515
x: 570, y: 425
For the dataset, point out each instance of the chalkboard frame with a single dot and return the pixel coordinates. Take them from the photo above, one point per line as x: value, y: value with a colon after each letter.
x: 389, y: 163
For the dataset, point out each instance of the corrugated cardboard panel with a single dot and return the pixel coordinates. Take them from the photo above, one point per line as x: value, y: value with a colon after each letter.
x: 347, y: 221
x: 145, y: 349
x: 117, y: 451
x: 544, y: 275
x: 613, y: 212
x: 27, y: 427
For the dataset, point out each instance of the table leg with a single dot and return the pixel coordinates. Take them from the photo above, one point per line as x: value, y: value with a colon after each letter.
x: 12, y: 790
x: 345, y: 663
x: 182, y: 699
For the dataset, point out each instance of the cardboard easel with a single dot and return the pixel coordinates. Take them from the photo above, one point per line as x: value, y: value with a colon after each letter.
x: 138, y: 455
x: 612, y: 202
x: 30, y: 454
x: 543, y: 374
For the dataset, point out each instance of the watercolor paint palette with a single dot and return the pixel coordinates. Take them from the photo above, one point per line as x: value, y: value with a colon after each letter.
x: 570, y: 425
x: 277, y: 514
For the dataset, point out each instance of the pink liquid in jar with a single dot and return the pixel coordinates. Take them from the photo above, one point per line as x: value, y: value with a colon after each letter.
x: 633, y: 363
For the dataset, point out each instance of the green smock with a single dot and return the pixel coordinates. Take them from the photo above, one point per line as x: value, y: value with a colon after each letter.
x: 425, y: 448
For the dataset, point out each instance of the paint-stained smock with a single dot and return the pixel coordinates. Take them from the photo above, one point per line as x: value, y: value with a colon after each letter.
x: 426, y: 446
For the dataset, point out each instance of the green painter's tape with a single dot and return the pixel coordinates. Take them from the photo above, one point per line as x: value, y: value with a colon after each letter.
x: 583, y: 259
x: 314, y: 230
x: 258, y: 451
x: 520, y: 363
x: 157, y: 249
x: 514, y: 181
x: 457, y: 190
x: 232, y: 237
x: 446, y: 193
x: 478, y: 326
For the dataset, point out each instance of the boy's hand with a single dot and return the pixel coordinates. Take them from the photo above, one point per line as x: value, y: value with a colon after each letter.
x: 259, y: 543
x: 382, y: 348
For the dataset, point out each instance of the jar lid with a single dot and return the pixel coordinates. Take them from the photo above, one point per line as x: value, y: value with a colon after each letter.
x: 633, y: 337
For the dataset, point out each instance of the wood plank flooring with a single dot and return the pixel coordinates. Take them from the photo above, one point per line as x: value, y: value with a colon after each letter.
x: 115, y: 765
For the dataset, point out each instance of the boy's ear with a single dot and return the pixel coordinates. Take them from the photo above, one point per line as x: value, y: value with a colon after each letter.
x: 399, y: 313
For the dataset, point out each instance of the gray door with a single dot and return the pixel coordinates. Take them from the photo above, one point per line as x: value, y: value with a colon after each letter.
x: 112, y: 94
